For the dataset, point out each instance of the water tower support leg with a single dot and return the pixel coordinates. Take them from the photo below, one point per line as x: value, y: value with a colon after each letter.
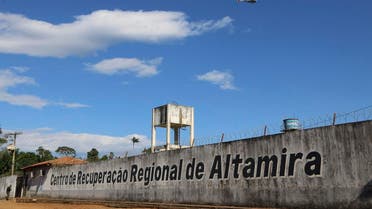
x: 176, y: 136
x: 192, y: 128
x: 168, y: 130
x: 153, y: 133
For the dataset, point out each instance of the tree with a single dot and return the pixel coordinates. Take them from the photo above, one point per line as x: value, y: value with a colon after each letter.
x: 3, y: 141
x: 92, y: 155
x: 108, y: 157
x: 146, y: 150
x: 104, y: 157
x: 66, y: 151
x: 5, y: 162
x: 135, y: 140
x: 25, y: 159
x: 43, y: 154
x: 111, y: 155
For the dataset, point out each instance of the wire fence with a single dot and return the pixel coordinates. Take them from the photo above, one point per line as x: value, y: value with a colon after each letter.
x: 361, y: 114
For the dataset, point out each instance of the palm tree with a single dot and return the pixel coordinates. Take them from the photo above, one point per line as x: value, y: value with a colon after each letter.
x: 135, y: 140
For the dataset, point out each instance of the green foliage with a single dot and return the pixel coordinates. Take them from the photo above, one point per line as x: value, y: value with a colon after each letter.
x: 43, y: 154
x: 108, y: 157
x: 104, y: 157
x: 66, y: 151
x: 24, y: 159
x: 3, y: 141
x: 135, y: 140
x: 5, y: 162
x: 146, y: 150
x: 92, y: 155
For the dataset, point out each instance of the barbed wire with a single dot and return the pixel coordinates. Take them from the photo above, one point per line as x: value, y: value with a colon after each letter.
x: 353, y: 116
x: 361, y: 114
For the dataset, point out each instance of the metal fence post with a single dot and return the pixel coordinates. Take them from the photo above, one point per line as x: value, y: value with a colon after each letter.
x: 334, y: 119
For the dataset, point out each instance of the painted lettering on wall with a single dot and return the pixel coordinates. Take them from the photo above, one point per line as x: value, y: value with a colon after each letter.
x: 229, y: 166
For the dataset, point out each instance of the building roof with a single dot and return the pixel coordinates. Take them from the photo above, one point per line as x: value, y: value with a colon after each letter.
x: 57, y: 162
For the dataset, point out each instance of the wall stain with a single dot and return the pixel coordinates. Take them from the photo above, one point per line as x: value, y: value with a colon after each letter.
x: 366, y: 191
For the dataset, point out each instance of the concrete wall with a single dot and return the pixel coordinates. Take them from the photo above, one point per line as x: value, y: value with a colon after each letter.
x: 4, y: 183
x: 328, y: 167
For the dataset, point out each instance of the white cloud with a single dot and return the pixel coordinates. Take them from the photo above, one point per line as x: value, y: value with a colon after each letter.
x: 23, y: 100
x: 82, y: 142
x: 205, y: 26
x: 71, y: 105
x: 20, y: 69
x: 98, y: 30
x: 9, y: 79
x: 141, y: 68
x: 224, y: 80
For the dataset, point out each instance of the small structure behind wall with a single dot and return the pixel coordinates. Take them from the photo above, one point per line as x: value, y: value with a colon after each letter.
x: 35, y: 175
x: 172, y: 116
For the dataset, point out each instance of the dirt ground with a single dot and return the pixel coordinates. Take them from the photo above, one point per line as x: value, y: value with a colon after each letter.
x: 13, y: 205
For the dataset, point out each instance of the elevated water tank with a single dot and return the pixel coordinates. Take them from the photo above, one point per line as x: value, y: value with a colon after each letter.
x: 172, y: 116
x: 291, y: 124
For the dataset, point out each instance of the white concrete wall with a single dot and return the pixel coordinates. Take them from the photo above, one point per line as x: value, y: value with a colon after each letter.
x: 328, y: 167
x: 4, y: 183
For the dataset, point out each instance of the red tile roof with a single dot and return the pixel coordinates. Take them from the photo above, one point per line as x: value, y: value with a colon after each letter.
x: 58, y: 162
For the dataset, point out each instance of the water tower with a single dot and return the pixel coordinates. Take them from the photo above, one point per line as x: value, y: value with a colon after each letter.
x: 172, y: 116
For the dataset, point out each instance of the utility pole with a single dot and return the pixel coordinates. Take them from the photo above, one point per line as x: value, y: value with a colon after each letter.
x: 13, y: 148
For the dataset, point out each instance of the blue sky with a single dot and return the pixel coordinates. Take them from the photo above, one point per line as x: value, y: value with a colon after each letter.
x: 87, y: 73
